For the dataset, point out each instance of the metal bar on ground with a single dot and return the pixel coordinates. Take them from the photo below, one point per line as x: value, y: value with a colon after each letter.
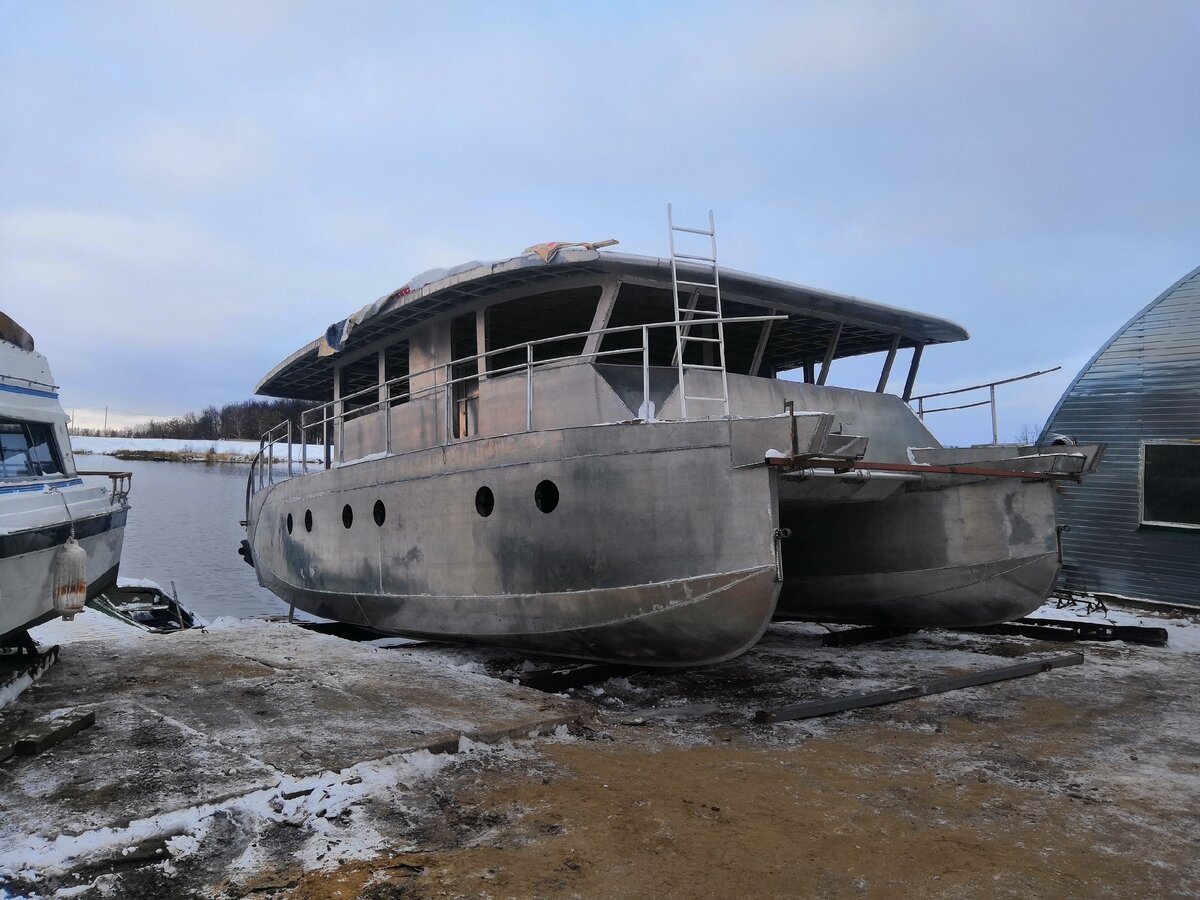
x: 816, y: 708
x: 1060, y: 630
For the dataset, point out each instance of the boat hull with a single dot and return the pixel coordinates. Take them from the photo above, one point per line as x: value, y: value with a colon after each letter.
x: 972, y: 554
x: 26, y: 592
x: 659, y: 551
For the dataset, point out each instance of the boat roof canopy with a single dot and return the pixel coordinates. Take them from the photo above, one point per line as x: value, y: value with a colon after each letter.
x: 866, y: 327
x: 13, y: 333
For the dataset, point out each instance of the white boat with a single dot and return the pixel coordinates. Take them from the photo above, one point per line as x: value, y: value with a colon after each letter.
x: 44, y: 501
x: 590, y: 454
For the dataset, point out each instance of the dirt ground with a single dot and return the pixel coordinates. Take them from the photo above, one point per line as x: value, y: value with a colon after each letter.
x: 1082, y: 782
x: 871, y: 811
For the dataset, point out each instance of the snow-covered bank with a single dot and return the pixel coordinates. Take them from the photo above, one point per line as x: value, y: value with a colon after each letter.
x: 231, y: 450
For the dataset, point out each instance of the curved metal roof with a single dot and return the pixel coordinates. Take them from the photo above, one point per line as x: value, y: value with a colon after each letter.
x: 308, y: 373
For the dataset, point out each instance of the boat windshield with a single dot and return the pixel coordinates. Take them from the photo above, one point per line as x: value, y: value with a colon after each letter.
x: 28, y: 450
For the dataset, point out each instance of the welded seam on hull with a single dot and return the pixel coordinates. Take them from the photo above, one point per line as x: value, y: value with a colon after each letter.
x: 1023, y: 562
x: 743, y: 576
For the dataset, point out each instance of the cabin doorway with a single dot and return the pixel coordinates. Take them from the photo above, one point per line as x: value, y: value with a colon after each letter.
x: 464, y: 345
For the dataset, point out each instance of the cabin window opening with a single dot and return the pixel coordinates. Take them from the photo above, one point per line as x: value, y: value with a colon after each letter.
x: 28, y: 450
x: 289, y: 523
x: 395, y: 365
x: 548, y: 315
x: 347, y: 516
x: 379, y: 513
x: 360, y: 375
x: 485, y: 501
x: 545, y: 495
x: 464, y: 345
x: 1171, y: 484
x: 308, y: 520
x: 640, y: 305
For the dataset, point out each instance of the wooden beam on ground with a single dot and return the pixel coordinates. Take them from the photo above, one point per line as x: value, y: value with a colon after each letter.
x: 53, y: 733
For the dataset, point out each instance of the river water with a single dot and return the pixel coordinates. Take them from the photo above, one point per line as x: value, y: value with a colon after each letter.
x: 184, y: 527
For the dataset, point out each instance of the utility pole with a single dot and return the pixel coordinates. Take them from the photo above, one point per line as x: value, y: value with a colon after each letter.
x: 106, y: 421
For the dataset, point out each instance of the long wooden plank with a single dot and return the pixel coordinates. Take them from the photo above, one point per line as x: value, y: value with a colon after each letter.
x: 816, y: 708
x: 56, y: 732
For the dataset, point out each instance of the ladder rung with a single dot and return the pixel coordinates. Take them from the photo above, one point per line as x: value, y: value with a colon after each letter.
x: 695, y: 311
x: 713, y: 399
x: 692, y: 230
x: 707, y: 340
x: 688, y: 365
x: 704, y: 284
x: 707, y: 259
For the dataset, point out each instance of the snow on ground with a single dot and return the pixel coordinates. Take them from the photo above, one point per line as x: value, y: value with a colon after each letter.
x: 1184, y: 633
x: 197, y: 447
x: 322, y: 814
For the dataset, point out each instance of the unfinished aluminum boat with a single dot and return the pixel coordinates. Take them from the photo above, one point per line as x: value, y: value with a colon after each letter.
x: 43, y: 501
x: 589, y: 454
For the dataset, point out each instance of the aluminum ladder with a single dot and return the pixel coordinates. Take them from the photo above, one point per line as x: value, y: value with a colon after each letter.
x: 699, y: 307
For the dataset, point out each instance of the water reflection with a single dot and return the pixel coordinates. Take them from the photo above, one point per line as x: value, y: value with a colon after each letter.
x: 184, y: 527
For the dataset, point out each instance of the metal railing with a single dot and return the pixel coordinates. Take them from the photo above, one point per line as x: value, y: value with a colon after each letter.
x: 991, y: 401
x: 122, y: 483
x: 325, y: 425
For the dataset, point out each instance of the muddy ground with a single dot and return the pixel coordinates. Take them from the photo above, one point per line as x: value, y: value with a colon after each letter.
x: 1081, y: 782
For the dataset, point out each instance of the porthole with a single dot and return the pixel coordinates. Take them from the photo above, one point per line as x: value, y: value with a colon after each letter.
x: 380, y: 513
x: 289, y: 523
x: 485, y: 501
x: 347, y: 516
x: 308, y: 520
x: 545, y: 495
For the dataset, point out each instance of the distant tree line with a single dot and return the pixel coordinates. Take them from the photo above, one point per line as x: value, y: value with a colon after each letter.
x: 247, y: 420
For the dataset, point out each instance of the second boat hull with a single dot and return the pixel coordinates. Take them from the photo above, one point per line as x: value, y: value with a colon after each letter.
x: 966, y: 555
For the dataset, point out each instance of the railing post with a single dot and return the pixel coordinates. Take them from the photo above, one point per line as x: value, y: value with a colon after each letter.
x: 325, y: 437
x: 529, y: 387
x: 289, y: 432
x: 387, y: 419
x: 303, y: 443
x: 449, y: 400
x: 995, y: 425
x: 646, y: 374
x: 921, y: 408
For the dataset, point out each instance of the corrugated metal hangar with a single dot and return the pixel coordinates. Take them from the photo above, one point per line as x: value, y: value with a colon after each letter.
x: 1135, y: 524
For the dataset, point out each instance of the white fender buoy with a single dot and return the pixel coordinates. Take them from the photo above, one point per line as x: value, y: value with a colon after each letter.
x: 69, y: 578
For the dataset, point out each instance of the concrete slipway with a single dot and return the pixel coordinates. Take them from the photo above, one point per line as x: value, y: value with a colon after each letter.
x: 253, y: 710
x: 255, y: 759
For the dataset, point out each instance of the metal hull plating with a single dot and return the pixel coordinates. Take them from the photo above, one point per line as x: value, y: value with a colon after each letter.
x: 972, y: 554
x: 659, y: 551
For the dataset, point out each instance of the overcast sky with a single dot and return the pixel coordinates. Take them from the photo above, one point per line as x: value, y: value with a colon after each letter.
x: 191, y: 191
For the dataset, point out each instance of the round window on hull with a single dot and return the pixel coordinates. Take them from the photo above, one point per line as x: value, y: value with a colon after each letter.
x: 289, y: 523
x: 485, y: 501
x: 347, y: 516
x: 545, y: 495
x: 308, y: 520
x: 380, y: 513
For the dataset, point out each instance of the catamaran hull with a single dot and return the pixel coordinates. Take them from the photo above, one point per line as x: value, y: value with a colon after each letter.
x: 659, y: 552
x: 968, y: 555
